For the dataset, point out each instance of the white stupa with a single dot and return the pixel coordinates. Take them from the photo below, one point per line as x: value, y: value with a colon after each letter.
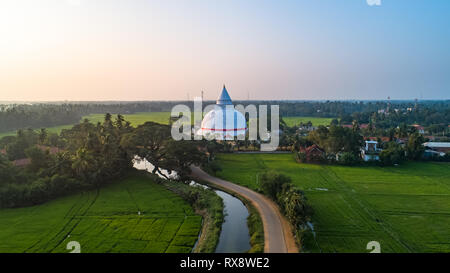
x: 224, y: 122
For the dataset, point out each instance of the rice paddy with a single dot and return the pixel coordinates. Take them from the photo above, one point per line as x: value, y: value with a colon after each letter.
x: 405, y: 208
x: 133, y: 216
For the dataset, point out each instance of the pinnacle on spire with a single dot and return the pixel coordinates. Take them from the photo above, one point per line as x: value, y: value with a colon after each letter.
x: 224, y: 98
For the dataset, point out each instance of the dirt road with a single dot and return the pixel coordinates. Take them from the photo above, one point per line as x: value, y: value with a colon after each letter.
x: 278, y: 236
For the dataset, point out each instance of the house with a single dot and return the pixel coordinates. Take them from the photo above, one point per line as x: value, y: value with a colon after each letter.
x: 22, y: 162
x: 428, y: 153
x: 365, y: 126
x: 361, y: 126
x: 306, y: 127
x: 26, y: 161
x: 419, y: 128
x: 382, y: 139
x: 440, y: 147
x: 370, y: 151
x: 313, y: 153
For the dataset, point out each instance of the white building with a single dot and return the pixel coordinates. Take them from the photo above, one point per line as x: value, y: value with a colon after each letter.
x: 371, y: 151
x: 223, y: 122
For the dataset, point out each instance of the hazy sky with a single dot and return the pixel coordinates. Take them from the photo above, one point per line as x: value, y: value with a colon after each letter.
x: 151, y: 50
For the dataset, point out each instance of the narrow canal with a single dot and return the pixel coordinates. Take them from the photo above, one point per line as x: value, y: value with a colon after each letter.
x: 234, y: 236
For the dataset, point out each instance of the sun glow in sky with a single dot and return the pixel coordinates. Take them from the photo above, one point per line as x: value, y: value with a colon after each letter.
x: 163, y: 50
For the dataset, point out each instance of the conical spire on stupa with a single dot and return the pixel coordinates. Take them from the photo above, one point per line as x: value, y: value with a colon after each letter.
x: 224, y: 98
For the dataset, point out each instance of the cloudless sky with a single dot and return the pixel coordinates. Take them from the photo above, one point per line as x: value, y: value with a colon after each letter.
x: 153, y: 50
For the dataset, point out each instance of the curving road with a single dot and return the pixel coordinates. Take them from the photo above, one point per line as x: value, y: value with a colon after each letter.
x: 278, y: 236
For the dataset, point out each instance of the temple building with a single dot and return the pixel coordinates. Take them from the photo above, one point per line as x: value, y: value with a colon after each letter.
x: 223, y: 122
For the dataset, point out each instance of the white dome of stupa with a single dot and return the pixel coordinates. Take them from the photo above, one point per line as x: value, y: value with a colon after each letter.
x: 223, y: 122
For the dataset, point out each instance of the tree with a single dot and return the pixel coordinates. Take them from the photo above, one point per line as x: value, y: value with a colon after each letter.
x: 402, y: 130
x: 414, y: 147
x: 271, y: 183
x: 392, y: 154
x: 295, y: 206
x: 39, y: 159
x: 6, y: 171
x: 42, y: 136
x: 349, y: 159
x: 149, y: 141
x: 180, y: 155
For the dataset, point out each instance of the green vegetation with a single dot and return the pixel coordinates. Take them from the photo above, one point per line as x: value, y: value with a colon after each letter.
x: 255, y: 229
x: 136, y: 119
x: 206, y: 203
x: 405, y: 208
x: 316, y: 121
x: 105, y: 220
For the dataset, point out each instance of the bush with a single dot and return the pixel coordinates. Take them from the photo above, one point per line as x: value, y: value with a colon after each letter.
x: 392, y: 154
x: 38, y: 191
x: 349, y: 159
x: 300, y: 157
x: 271, y: 183
x: 214, y: 166
x: 292, y: 201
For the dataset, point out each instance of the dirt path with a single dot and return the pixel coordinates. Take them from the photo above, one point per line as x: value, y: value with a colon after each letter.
x: 278, y: 236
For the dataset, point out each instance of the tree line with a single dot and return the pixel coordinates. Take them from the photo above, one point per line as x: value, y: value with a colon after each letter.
x: 39, y: 115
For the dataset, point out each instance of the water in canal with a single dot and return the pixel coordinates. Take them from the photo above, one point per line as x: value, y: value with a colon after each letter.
x: 234, y: 236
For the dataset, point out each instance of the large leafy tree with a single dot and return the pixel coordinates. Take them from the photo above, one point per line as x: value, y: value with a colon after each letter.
x: 149, y: 141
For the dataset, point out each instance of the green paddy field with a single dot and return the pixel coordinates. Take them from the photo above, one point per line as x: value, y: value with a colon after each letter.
x: 405, y: 208
x: 105, y: 220
x: 316, y: 121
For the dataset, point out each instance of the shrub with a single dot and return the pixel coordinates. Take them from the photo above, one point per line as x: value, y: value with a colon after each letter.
x: 271, y: 183
x: 300, y: 157
x: 392, y: 154
x: 349, y: 159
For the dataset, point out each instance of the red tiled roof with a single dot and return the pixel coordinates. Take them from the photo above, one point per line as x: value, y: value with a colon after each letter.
x: 52, y: 150
x: 384, y: 139
x: 26, y: 161
x: 362, y: 126
x: 310, y: 148
x: 21, y: 162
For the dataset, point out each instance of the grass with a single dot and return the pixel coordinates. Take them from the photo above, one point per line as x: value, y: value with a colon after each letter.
x: 255, y: 229
x: 405, y: 208
x: 316, y: 121
x: 105, y: 220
